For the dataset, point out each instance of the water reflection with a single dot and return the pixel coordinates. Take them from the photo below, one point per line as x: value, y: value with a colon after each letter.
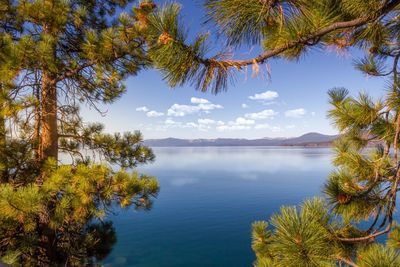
x: 242, y: 159
x: 209, y: 197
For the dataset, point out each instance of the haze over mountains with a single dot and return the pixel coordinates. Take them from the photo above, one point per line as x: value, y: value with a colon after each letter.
x: 308, y: 140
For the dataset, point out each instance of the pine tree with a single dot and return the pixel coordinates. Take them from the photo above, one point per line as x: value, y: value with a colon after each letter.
x: 55, y: 56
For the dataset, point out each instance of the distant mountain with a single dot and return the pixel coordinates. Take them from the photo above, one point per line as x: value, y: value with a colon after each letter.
x: 308, y: 140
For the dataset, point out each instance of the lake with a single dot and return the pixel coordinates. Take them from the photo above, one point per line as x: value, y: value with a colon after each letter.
x: 208, y: 200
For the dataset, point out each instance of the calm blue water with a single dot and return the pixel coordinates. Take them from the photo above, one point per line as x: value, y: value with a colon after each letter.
x: 209, y: 198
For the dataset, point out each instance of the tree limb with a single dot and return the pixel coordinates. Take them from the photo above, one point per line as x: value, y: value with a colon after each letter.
x: 304, y: 40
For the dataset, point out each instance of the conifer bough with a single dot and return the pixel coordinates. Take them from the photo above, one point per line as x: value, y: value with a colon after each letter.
x: 283, y: 28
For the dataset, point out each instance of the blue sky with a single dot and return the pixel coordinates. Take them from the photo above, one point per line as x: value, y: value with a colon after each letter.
x: 293, y: 101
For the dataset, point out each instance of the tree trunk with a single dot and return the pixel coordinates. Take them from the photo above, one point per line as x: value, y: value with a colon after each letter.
x: 48, y: 148
x: 3, y: 163
x: 48, y: 128
x: 36, y: 134
x: 2, y: 132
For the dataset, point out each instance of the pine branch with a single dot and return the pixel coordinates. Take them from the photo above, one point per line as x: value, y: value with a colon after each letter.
x: 183, y: 63
x: 306, y: 39
x: 367, y: 237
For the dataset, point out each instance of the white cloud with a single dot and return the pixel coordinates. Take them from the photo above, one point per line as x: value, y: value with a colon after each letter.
x: 266, y: 96
x: 170, y: 122
x: 205, y: 121
x: 239, y: 124
x: 242, y: 121
x: 209, y: 106
x: 290, y: 126
x: 313, y: 113
x: 190, y: 125
x: 209, y: 122
x: 195, y: 100
x: 295, y: 113
x: 245, y: 105
x: 178, y: 110
x: 154, y: 114
x: 265, y: 114
x: 142, y: 109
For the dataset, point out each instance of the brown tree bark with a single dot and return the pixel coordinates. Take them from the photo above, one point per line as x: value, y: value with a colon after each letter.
x: 48, y: 126
x: 36, y: 134
x: 3, y: 170
x: 2, y: 132
x: 48, y: 148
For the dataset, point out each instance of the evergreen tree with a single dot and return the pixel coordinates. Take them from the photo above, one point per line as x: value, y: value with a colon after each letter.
x: 55, y: 56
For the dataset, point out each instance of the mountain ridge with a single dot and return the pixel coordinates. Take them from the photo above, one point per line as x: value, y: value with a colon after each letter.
x: 312, y: 139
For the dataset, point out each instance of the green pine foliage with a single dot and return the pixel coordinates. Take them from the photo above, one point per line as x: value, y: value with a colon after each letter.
x: 78, y: 195
x: 378, y: 256
x: 55, y: 56
x: 280, y: 28
x: 300, y: 238
x: 361, y: 193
